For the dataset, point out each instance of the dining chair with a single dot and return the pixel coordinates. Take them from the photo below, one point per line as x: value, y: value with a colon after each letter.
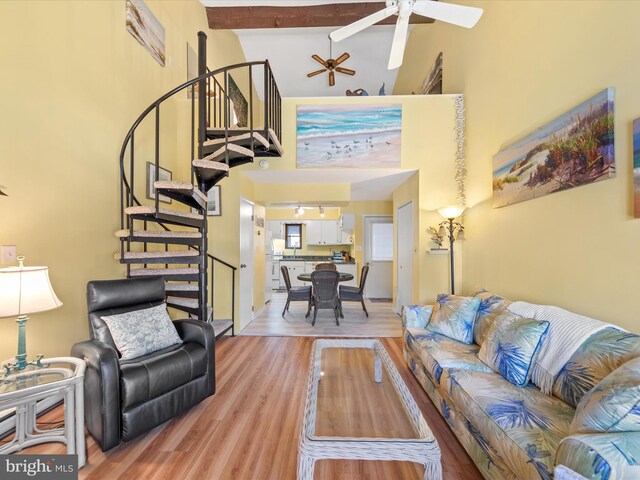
x: 326, y: 266
x: 356, y: 294
x: 325, y: 293
x: 295, y: 294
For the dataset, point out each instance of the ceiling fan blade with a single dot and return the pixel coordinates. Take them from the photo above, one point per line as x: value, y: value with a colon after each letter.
x: 317, y: 72
x: 319, y: 60
x: 460, y: 15
x: 346, y: 71
x: 341, y: 59
x: 363, y: 23
x: 399, y: 41
x: 332, y: 78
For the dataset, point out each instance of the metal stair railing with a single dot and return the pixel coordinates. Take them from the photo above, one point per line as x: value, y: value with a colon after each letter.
x: 218, y: 102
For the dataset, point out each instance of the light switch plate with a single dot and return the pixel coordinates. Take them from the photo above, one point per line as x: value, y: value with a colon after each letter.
x: 8, y: 254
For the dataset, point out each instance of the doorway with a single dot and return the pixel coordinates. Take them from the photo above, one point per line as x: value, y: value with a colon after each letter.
x: 378, y: 253
x: 404, y: 242
x: 246, y: 263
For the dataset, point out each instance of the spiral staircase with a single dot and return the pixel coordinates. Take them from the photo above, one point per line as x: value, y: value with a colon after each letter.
x: 172, y: 242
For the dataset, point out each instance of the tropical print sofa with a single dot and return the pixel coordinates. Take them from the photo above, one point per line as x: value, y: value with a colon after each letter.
x: 520, y: 432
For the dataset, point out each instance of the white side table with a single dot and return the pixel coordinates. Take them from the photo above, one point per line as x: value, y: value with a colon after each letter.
x: 24, y: 390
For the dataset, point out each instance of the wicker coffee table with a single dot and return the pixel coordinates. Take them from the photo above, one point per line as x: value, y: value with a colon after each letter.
x: 415, y: 445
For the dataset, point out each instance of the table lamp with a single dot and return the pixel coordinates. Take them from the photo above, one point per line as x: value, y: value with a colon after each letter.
x: 25, y: 290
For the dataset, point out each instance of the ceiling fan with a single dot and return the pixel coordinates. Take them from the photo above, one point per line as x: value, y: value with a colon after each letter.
x: 332, y: 66
x: 462, y: 16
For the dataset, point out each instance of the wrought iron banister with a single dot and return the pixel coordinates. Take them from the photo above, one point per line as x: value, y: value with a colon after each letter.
x: 212, y: 118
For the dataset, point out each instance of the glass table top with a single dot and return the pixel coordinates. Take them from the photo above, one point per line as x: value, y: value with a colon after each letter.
x: 33, y: 377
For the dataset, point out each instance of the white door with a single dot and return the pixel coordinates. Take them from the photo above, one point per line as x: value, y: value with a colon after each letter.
x: 378, y: 253
x: 404, y: 242
x: 246, y: 263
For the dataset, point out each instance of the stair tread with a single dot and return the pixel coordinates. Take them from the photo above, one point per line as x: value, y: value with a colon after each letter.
x: 181, y: 287
x: 158, y: 233
x: 276, y: 143
x: 183, y: 302
x: 171, y: 185
x: 232, y: 147
x: 159, y: 254
x: 223, y: 167
x: 143, y: 272
x: 236, y: 138
x: 144, y: 209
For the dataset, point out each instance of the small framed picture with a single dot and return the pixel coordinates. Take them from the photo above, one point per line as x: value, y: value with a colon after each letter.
x: 165, y: 175
x: 214, y: 207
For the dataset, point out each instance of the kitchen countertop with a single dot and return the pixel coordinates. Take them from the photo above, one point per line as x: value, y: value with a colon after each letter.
x: 313, y: 258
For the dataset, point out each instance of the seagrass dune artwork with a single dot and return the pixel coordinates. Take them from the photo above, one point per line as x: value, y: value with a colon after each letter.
x: 146, y: 29
x: 349, y: 136
x: 573, y: 150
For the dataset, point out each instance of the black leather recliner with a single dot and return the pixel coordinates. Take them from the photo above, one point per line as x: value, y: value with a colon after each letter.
x: 126, y: 398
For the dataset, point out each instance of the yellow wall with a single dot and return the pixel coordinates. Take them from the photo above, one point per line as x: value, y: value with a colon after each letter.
x: 519, y: 68
x: 73, y: 81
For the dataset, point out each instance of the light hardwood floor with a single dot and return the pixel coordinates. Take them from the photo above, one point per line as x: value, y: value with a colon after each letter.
x: 382, y: 321
x: 249, y: 429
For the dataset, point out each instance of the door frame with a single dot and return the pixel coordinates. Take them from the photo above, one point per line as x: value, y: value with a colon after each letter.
x: 366, y: 242
x: 397, y: 305
x: 245, y: 295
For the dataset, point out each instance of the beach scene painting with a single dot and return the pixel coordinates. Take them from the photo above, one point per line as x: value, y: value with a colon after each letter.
x: 575, y: 149
x: 636, y: 168
x: 349, y: 136
x: 146, y: 29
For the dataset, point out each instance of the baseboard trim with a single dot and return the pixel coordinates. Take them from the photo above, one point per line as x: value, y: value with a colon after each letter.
x: 256, y: 314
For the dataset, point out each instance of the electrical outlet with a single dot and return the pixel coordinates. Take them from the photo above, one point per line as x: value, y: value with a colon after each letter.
x: 8, y: 254
x: 358, y: 248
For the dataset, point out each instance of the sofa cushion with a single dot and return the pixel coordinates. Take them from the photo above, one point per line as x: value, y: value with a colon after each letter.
x: 416, y: 316
x: 454, y: 316
x: 522, y: 424
x: 438, y: 352
x: 602, y: 456
x: 490, y: 306
x: 613, y: 405
x: 139, y: 332
x: 150, y: 376
x: 601, y: 354
x: 511, y: 345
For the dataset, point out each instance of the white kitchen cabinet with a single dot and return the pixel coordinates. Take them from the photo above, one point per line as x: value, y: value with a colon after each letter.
x: 348, y: 222
x: 346, y: 238
x: 313, y: 232
x: 276, y: 227
x: 323, y: 232
x: 295, y: 269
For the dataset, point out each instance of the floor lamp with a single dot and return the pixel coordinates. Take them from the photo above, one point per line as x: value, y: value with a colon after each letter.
x: 454, y: 230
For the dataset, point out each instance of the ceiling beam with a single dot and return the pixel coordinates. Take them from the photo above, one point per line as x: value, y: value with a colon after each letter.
x: 328, y: 15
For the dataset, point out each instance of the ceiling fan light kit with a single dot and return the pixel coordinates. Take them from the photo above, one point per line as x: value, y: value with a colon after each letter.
x: 460, y: 15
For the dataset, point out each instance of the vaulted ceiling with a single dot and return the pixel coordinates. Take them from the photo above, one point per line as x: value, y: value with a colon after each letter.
x: 289, y: 50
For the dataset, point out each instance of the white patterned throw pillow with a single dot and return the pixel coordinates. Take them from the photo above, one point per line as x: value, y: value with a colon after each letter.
x: 142, y: 331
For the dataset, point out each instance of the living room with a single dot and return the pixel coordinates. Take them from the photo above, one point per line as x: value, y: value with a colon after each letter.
x: 74, y: 80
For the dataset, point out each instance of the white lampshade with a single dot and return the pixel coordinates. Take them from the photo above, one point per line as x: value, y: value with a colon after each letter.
x: 451, y: 211
x: 25, y: 290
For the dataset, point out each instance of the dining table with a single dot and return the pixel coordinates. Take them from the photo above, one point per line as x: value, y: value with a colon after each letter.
x: 343, y: 277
